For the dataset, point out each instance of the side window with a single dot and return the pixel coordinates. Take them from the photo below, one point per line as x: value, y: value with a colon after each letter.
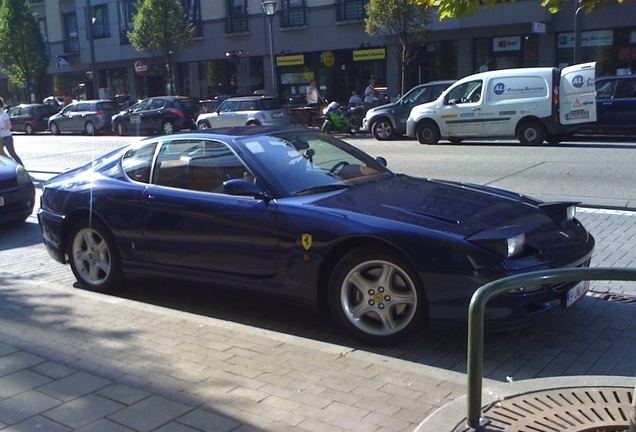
x: 83, y: 107
x: 465, y: 93
x: 229, y: 106
x: 141, y: 106
x: 200, y: 165
x: 605, y: 89
x: 156, y: 104
x: 625, y: 89
x: 14, y: 111
x: 137, y: 162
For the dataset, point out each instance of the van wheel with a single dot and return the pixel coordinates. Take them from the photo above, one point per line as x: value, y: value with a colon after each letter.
x: 427, y: 133
x: 531, y: 133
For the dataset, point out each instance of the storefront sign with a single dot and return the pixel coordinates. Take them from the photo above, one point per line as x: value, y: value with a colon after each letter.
x: 538, y: 27
x: 328, y: 58
x: 292, y: 60
x: 588, y: 39
x: 512, y: 43
x: 141, y: 67
x: 369, y: 54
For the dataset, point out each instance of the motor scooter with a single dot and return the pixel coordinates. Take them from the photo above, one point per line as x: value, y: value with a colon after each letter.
x: 339, y: 119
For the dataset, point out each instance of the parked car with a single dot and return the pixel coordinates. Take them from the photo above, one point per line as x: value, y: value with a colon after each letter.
x: 31, y: 118
x: 389, y: 121
x: 17, y: 193
x: 166, y: 114
x: 57, y: 101
x: 89, y: 116
x: 245, y: 110
x: 297, y: 213
x: 615, y: 105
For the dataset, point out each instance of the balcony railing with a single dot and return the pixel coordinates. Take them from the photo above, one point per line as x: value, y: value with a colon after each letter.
x: 236, y: 24
x: 71, y: 45
x: 294, y: 17
x: 349, y: 10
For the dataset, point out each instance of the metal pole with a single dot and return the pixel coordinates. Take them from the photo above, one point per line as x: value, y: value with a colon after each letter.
x: 270, y: 18
x: 578, y: 24
x: 91, y: 45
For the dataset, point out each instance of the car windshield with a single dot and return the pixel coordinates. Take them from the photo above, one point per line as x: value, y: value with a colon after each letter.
x: 299, y: 163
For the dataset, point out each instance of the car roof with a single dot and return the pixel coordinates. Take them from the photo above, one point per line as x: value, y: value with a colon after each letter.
x: 248, y: 98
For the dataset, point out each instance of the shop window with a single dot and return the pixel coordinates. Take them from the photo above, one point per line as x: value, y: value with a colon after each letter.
x: 293, y: 13
x: 348, y: 10
x: 127, y: 10
x: 101, y: 29
x: 71, y: 39
x: 237, y: 19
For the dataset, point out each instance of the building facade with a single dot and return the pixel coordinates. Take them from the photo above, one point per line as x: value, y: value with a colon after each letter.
x: 312, y: 39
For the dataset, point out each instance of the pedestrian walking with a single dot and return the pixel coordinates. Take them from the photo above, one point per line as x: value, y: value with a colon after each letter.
x: 313, y: 100
x: 7, y: 138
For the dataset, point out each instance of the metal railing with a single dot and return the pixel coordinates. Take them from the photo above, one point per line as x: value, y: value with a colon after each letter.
x: 475, y: 366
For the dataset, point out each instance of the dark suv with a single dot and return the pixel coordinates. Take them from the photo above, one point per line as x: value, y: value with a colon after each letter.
x: 89, y: 116
x: 615, y: 104
x: 387, y: 121
x: 164, y: 114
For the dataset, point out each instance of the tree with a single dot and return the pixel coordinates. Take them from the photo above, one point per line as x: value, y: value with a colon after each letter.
x: 161, y: 28
x: 401, y: 22
x: 23, y: 56
x: 460, y: 8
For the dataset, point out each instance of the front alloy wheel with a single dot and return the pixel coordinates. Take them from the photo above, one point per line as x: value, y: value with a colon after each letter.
x: 376, y: 297
x: 382, y: 130
x: 94, y: 257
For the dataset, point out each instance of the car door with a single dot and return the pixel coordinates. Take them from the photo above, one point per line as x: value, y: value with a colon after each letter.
x: 190, y: 223
x: 137, y: 114
x: 18, y: 116
x: 68, y: 118
x: 82, y: 116
x: 616, y: 103
x: 225, y: 115
x: 154, y: 115
x: 462, y: 114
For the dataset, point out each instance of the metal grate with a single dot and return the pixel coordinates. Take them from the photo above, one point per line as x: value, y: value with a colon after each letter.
x: 584, y: 409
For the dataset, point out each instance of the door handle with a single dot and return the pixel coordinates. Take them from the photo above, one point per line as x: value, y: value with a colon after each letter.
x: 151, y: 198
x: 476, y: 109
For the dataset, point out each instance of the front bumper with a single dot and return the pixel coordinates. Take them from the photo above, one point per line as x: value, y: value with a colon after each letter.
x: 17, y: 203
x: 51, y: 226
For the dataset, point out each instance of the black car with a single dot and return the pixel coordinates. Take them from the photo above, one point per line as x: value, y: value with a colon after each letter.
x: 31, y: 118
x: 17, y: 193
x: 165, y: 114
x: 300, y: 214
x: 88, y: 116
x: 615, y: 104
x: 389, y: 120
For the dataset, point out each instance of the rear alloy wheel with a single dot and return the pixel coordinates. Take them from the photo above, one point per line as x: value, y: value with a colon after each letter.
x: 531, y: 133
x: 427, y: 133
x: 376, y: 297
x: 382, y: 130
x: 89, y: 128
x: 94, y: 257
x: 168, y: 127
x: 203, y: 125
x: 55, y: 129
x: 120, y: 128
x: 28, y: 129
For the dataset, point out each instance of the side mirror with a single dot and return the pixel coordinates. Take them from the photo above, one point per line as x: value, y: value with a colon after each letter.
x: 381, y: 161
x: 243, y: 187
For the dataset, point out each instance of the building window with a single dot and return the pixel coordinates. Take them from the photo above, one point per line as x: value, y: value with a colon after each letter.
x: 127, y: 10
x: 192, y: 9
x: 101, y: 29
x: 71, y: 39
x: 348, y: 10
x: 236, y: 21
x: 293, y: 13
x: 44, y: 33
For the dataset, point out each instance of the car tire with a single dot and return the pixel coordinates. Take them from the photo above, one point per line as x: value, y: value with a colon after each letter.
x: 168, y: 127
x: 89, y: 128
x: 427, y: 133
x: 120, y: 128
x: 94, y: 256
x: 29, y: 129
x: 456, y: 140
x: 203, y: 125
x: 252, y: 123
x: 531, y: 133
x: 382, y: 130
x: 376, y: 296
x: 55, y: 129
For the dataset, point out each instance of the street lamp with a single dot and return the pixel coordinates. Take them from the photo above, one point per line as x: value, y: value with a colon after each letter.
x: 269, y: 9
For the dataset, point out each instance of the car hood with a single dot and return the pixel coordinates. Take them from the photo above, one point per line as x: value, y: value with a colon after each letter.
x: 382, y: 108
x: 7, y: 168
x: 454, y: 208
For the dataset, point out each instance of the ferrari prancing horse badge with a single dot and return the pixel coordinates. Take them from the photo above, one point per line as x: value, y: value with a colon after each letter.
x: 306, y: 241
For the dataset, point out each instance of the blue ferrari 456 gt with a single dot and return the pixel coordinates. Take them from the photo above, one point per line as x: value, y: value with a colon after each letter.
x: 306, y: 216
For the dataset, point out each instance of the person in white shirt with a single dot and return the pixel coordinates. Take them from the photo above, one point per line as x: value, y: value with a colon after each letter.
x: 5, y: 133
x: 313, y: 96
x: 369, y: 93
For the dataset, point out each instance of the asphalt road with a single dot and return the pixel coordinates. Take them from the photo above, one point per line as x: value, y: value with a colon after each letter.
x: 598, y: 172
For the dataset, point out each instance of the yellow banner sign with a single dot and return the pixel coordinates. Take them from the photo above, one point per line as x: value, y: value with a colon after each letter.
x: 292, y: 60
x: 369, y: 54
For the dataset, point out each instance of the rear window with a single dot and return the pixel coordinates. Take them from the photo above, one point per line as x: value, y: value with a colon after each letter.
x: 187, y: 104
x: 270, y: 104
x: 46, y: 110
x: 109, y: 106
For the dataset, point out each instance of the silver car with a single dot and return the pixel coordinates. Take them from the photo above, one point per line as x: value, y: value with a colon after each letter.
x: 245, y: 111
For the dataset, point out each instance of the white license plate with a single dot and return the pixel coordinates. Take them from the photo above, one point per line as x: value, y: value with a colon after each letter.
x: 135, y: 119
x: 277, y: 115
x: 1, y: 201
x: 576, y: 293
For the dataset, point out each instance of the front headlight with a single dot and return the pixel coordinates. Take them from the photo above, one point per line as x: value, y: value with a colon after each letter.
x: 516, y: 245
x: 571, y: 213
x: 506, y: 242
x: 22, y: 176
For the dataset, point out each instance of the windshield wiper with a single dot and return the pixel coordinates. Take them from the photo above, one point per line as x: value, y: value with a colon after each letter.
x: 322, y: 188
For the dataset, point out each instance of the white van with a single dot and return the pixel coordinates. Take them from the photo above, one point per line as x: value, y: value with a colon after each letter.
x: 533, y: 104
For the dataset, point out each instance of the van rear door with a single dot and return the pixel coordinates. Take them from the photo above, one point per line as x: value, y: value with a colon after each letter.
x: 577, y: 94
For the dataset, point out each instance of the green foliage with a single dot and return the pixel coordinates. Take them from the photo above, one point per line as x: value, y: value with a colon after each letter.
x: 23, y: 56
x: 461, y: 8
x: 399, y: 22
